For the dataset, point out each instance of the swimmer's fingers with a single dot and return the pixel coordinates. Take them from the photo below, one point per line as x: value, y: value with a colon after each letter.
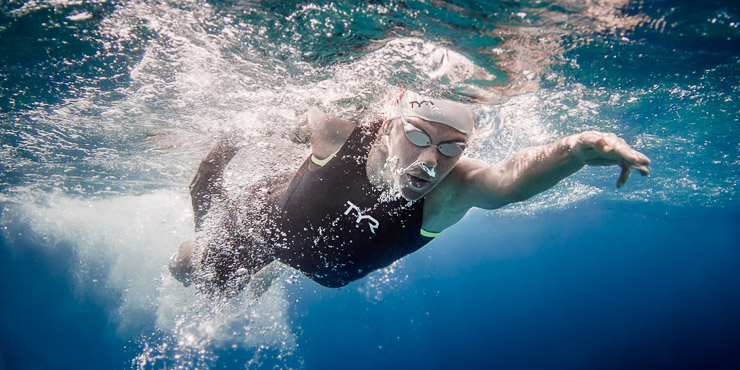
x: 624, y: 175
x: 607, y: 149
x: 216, y: 160
x: 225, y: 149
x: 632, y: 158
x: 301, y: 133
x: 641, y: 164
x: 635, y: 160
x: 642, y: 169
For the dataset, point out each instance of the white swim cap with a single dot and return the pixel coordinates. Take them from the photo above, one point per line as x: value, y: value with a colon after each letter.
x: 410, y: 104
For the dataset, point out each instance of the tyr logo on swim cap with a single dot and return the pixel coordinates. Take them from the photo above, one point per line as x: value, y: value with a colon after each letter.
x: 419, y: 103
x: 410, y: 104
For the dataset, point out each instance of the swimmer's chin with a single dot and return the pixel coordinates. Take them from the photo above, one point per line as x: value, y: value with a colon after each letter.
x: 413, y: 188
x: 412, y: 195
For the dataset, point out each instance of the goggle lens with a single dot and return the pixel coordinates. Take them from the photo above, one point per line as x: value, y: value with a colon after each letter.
x: 419, y: 138
x: 451, y: 149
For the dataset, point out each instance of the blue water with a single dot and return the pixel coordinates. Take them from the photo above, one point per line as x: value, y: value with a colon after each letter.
x: 106, y: 107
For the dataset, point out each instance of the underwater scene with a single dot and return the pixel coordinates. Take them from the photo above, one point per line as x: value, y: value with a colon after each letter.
x: 108, y: 107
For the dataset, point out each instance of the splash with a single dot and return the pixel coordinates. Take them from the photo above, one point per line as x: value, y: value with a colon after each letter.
x: 428, y: 170
x: 120, y: 247
x: 377, y: 285
x: 253, y: 328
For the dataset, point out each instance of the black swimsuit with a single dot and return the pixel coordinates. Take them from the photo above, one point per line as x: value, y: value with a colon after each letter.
x: 333, y: 225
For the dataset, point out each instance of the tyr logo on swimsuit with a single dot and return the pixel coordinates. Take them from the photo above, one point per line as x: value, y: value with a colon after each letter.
x: 372, y: 222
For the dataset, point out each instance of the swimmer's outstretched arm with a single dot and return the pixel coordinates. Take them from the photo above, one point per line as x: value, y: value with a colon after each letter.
x: 536, y: 169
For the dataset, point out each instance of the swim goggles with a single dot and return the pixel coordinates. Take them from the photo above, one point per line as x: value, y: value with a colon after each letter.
x: 419, y: 138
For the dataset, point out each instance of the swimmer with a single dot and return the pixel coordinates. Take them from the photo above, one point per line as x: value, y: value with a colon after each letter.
x: 368, y: 195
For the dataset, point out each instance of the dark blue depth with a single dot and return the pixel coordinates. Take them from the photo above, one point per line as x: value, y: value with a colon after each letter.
x: 600, y: 286
x: 45, y: 324
x: 603, y: 286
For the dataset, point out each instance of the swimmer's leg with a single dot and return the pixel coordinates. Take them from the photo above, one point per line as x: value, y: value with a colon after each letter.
x: 228, y: 266
x: 205, y: 189
x: 224, y: 268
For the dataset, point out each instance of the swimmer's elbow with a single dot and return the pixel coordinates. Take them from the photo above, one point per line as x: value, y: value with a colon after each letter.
x: 494, y: 187
x: 495, y: 199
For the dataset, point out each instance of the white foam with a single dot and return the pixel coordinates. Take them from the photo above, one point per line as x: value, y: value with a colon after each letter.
x: 81, y: 16
x: 122, y: 248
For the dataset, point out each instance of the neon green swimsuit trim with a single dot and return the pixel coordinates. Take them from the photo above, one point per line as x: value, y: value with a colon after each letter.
x: 429, y: 234
x: 321, y: 162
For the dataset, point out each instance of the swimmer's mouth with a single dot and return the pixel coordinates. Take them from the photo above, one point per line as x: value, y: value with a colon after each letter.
x: 418, y: 182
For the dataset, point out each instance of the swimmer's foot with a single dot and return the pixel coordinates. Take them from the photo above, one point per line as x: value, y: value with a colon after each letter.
x: 181, y: 267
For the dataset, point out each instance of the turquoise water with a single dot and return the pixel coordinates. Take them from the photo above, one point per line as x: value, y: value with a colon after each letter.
x: 106, y: 107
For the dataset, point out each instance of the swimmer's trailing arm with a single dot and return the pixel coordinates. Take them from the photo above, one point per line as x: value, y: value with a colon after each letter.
x: 536, y: 169
x: 206, y: 186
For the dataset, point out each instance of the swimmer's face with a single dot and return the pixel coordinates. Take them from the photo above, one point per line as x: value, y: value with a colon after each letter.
x: 420, y: 168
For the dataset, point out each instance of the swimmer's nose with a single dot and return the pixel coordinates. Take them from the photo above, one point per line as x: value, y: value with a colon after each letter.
x: 428, y: 156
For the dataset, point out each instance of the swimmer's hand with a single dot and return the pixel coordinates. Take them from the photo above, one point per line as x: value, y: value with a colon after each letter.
x: 325, y: 132
x: 301, y: 134
x: 606, y: 149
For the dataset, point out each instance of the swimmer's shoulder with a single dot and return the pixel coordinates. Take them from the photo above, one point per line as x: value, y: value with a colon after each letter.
x: 453, y: 197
